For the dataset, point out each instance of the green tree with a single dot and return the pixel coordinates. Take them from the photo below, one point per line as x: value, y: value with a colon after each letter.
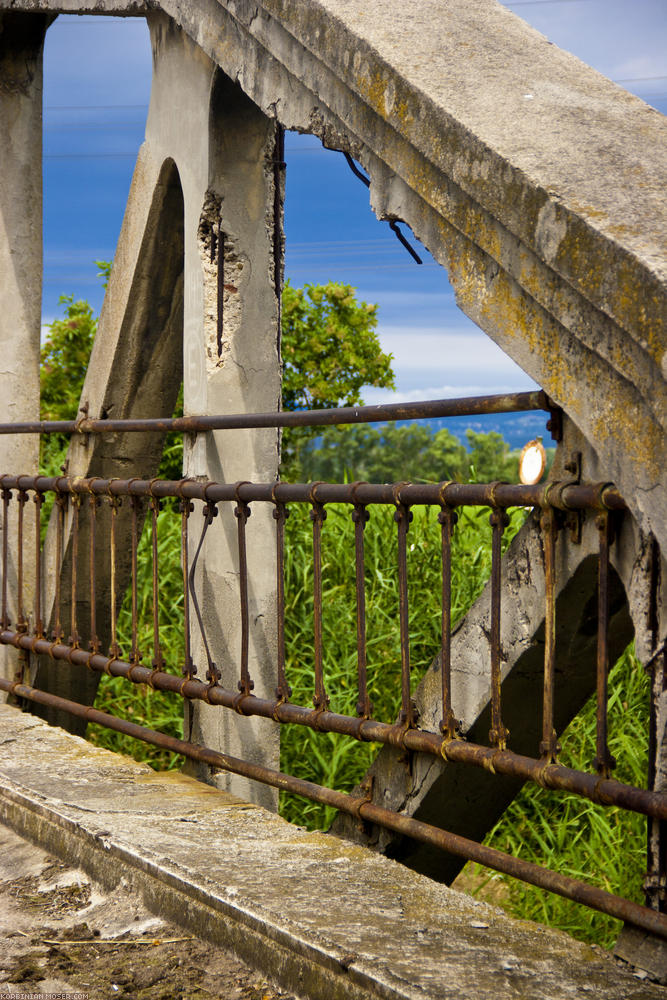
x: 490, y: 457
x: 390, y: 453
x: 64, y: 360
x: 330, y: 351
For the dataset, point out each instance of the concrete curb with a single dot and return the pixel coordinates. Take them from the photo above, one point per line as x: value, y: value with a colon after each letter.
x: 324, y: 918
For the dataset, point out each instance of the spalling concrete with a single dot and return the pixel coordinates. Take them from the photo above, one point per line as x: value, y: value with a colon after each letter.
x: 326, y: 918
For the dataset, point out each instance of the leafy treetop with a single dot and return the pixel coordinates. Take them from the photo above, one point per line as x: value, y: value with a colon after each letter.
x: 330, y: 348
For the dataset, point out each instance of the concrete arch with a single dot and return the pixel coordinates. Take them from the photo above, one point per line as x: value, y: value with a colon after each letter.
x: 135, y: 370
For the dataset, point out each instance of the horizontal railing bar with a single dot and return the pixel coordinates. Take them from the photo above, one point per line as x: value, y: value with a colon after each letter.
x: 363, y: 809
x: 562, y: 495
x: 604, y: 791
x: 465, y: 406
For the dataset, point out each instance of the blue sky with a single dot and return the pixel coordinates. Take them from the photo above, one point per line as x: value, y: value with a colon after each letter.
x: 93, y: 128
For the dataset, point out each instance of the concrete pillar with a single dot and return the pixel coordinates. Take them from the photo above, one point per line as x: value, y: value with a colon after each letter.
x: 225, y: 150
x: 21, y: 45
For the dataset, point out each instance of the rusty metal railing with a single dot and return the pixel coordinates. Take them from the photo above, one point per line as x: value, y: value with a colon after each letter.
x: 73, y: 497
x: 81, y: 528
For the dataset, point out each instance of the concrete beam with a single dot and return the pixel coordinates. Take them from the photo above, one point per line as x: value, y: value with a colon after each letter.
x: 325, y: 919
x: 134, y: 371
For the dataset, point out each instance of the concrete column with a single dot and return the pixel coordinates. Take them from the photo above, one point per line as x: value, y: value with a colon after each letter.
x: 225, y: 151
x: 21, y: 44
x: 233, y: 365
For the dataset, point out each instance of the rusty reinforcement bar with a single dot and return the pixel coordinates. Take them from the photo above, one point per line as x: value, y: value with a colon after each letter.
x: 602, y: 790
x: 566, y: 495
x: 366, y: 811
x: 460, y: 407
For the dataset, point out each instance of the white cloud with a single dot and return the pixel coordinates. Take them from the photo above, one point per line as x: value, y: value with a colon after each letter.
x: 444, y: 350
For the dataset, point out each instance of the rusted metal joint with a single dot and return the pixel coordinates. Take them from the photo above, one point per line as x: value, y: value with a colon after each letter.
x: 451, y: 729
x: 315, y: 716
x: 242, y: 509
x: 488, y: 760
x: 360, y: 513
x: 213, y: 676
x: 318, y: 512
x: 498, y: 518
x: 493, y: 500
x: 555, y: 421
x: 549, y: 751
x: 151, y: 678
x: 276, y: 705
x: 131, y: 671
x: 237, y: 703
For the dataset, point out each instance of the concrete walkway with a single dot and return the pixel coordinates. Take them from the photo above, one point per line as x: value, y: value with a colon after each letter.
x: 323, y: 918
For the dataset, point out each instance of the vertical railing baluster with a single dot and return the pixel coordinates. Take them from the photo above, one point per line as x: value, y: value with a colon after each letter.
x: 403, y: 516
x: 186, y: 508
x: 209, y: 511
x: 93, y: 504
x: 21, y: 624
x: 114, y: 503
x: 135, y: 505
x: 242, y: 513
x: 499, y: 733
x: 549, y: 747
x: 280, y: 513
x: 38, y: 500
x: 604, y: 762
x: 318, y: 516
x: 6, y: 497
x: 61, y: 504
x: 158, y: 662
x: 449, y: 724
x: 360, y: 517
x: 74, y: 638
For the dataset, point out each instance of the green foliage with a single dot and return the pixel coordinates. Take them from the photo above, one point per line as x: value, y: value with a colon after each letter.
x: 338, y: 761
x: 330, y: 350
x: 396, y: 452
x: 64, y: 360
x: 602, y: 845
x: 490, y: 457
x: 155, y: 709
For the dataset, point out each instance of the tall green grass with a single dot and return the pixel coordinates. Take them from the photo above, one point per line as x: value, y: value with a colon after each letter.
x: 339, y: 761
x: 605, y: 846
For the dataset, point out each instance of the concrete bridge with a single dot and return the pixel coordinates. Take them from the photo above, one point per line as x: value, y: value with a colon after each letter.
x: 549, y: 218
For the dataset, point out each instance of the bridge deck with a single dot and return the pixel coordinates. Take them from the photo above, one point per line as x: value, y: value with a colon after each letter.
x: 325, y: 918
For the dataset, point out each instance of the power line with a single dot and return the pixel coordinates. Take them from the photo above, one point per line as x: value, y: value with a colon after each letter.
x: 640, y: 79
x: 541, y: 3
x: 88, y: 156
x: 89, y: 107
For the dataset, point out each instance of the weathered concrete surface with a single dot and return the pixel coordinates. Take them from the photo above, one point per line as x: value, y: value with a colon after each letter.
x: 64, y: 933
x: 327, y: 919
x: 21, y: 44
x: 224, y: 150
x: 203, y: 191
x: 135, y: 370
